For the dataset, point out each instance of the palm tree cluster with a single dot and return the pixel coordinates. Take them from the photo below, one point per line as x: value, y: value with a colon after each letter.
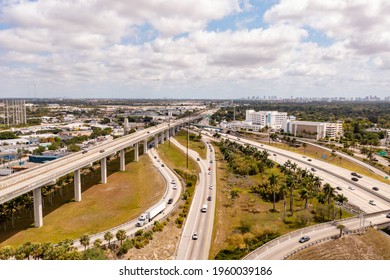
x: 64, y: 250
x: 244, y: 159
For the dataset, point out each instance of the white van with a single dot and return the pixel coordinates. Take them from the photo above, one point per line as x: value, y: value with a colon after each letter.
x: 204, y: 208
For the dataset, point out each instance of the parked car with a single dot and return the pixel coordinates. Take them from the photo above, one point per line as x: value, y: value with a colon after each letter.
x: 375, y: 188
x: 354, y: 179
x: 304, y: 239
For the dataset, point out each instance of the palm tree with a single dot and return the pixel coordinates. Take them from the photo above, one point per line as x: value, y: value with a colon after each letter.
x: 304, y: 193
x: 340, y: 227
x: 329, y: 193
x: 340, y: 198
x: 273, y: 181
x: 121, y: 235
x: 290, y: 182
x: 283, y: 192
x: 108, y: 236
x: 97, y: 243
x: 84, y: 240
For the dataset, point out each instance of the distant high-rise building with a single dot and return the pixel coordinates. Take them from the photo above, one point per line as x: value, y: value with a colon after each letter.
x: 13, y: 112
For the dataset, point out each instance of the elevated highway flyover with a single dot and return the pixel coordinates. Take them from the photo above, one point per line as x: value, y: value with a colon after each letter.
x: 33, y: 179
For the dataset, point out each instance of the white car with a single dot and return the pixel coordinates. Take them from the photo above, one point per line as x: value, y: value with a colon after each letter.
x: 211, y: 187
x: 351, y: 188
x: 372, y: 202
x: 174, y: 187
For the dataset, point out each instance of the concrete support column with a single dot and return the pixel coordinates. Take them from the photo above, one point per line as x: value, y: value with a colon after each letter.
x: 77, y: 185
x: 104, y: 170
x: 156, y: 141
x: 167, y: 134
x: 173, y: 132
x: 162, y: 137
x: 38, y: 217
x: 122, y: 160
x: 145, y: 146
x: 136, y: 153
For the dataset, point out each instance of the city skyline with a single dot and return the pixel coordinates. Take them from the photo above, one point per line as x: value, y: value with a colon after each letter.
x: 227, y: 49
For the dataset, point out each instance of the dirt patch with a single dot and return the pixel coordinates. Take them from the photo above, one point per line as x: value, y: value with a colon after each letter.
x: 373, y: 245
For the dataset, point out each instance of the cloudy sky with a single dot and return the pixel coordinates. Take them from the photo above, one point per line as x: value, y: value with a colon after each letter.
x: 194, y: 48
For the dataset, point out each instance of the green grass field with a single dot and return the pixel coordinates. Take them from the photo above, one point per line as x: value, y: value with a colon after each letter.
x: 197, y: 146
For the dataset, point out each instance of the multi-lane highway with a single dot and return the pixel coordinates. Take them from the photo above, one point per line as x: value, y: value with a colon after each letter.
x: 200, y: 222
x: 173, y: 190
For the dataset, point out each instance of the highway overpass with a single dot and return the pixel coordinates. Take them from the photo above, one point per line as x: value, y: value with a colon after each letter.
x: 33, y: 179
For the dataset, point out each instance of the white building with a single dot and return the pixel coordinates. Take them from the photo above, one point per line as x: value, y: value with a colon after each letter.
x: 313, y: 130
x: 272, y: 119
x: 237, y: 125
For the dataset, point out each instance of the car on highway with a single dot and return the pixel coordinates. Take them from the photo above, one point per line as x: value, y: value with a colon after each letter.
x: 359, y: 176
x: 209, y: 198
x: 375, y: 188
x: 174, y: 187
x: 85, y: 151
x: 198, y: 159
x: 372, y: 202
x: 354, y: 179
x: 351, y: 188
x: 313, y: 169
x: 173, y: 181
x: 155, y: 156
x: 148, y: 132
x: 209, y: 173
x: 195, y: 236
x: 304, y: 156
x: 354, y: 174
x: 211, y: 161
x: 388, y: 215
x: 304, y: 239
x: 162, y: 165
x: 308, y: 159
x: 102, y: 151
x: 170, y: 201
x: 339, y: 188
x: 211, y: 187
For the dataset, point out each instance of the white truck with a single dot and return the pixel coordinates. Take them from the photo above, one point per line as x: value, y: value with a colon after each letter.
x: 151, y: 213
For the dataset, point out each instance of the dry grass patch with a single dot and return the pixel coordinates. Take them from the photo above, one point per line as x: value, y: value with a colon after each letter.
x: 373, y: 245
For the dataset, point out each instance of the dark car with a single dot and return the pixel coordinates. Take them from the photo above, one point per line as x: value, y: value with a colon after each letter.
x: 339, y: 188
x: 354, y: 179
x: 209, y: 198
x: 85, y: 151
x: 309, y: 159
x: 313, y: 169
x: 353, y: 173
x: 388, y: 215
x: 304, y: 239
x: 198, y: 159
x: 375, y: 188
x: 170, y: 201
x: 102, y: 151
x: 162, y: 165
